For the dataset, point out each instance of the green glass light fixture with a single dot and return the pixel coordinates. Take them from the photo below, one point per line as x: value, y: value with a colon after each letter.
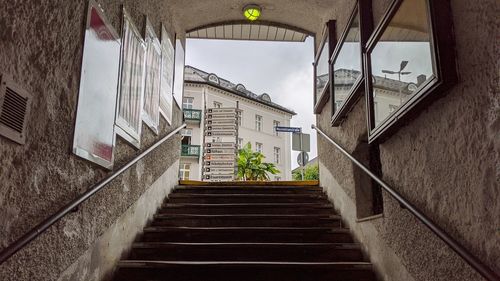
x: 252, y: 12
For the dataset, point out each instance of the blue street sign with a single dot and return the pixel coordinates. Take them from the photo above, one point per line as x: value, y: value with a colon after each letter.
x: 288, y: 129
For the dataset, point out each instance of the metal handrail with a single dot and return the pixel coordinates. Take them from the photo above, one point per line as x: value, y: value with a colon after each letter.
x: 48, y: 222
x: 473, y: 261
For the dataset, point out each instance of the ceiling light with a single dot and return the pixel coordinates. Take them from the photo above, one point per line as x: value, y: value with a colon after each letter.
x: 252, y: 12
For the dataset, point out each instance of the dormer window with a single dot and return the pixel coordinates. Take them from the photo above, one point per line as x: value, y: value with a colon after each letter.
x: 240, y: 88
x: 213, y: 78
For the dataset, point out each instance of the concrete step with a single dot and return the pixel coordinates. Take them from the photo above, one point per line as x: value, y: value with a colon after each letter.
x: 247, y: 208
x: 297, y: 252
x: 245, y: 189
x: 248, y: 189
x: 245, y: 220
x: 247, y: 198
x: 132, y: 270
x: 246, y: 234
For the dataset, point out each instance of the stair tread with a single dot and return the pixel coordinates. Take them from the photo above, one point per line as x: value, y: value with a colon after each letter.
x: 219, y: 233
x: 189, y: 195
x: 360, y: 264
x: 161, y: 228
x: 262, y: 204
x: 243, y: 216
x: 253, y: 244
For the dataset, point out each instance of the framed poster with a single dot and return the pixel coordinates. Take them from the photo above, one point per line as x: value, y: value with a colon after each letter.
x: 167, y: 75
x: 94, y: 136
x: 131, y: 88
x: 179, y: 71
x: 151, y: 108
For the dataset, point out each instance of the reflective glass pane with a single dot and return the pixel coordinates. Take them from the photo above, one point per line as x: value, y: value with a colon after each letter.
x: 95, y: 117
x: 322, y: 71
x: 347, y: 66
x: 131, y: 84
x: 401, y: 61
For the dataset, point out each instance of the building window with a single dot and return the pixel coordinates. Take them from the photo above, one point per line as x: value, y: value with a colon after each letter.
x: 258, y: 123
x: 275, y: 124
x: 258, y: 147
x: 277, y: 155
x: 240, y: 143
x: 240, y: 117
x: 187, y: 132
x: 184, y: 171
x: 217, y: 104
x: 187, y: 103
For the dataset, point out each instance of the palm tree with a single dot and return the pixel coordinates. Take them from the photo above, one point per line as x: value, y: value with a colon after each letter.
x: 251, y: 167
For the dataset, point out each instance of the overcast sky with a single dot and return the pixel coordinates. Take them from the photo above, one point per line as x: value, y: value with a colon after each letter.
x: 281, y: 69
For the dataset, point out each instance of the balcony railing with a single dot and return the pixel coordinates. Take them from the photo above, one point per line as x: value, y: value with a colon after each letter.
x: 190, y: 150
x: 192, y: 114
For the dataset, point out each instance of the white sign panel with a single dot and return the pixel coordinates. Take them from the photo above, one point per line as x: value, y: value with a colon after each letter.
x: 220, y: 150
x: 220, y: 177
x: 220, y: 122
x: 220, y: 145
x: 220, y: 157
x: 220, y: 133
x: 131, y: 90
x: 219, y: 163
x: 167, y: 75
x: 222, y: 110
x: 179, y: 71
x: 94, y: 136
x: 151, y: 108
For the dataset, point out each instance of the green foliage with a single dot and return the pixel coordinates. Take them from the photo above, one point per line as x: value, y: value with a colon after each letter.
x: 251, y: 167
x: 311, y: 172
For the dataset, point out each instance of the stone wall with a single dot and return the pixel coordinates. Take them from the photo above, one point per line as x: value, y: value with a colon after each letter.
x: 41, y: 44
x: 445, y: 161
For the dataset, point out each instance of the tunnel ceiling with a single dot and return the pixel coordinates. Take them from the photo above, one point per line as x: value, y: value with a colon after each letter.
x: 306, y: 15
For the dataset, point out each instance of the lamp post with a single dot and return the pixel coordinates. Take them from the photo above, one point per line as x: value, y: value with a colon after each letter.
x: 400, y: 72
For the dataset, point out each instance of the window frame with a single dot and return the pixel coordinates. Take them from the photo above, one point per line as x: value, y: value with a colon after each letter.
x: 258, y: 121
x: 277, y: 155
x: 363, y: 10
x: 239, y: 115
x: 183, y: 170
x: 329, y: 35
x: 444, y: 77
x: 183, y: 102
x: 276, y: 123
x: 261, y: 145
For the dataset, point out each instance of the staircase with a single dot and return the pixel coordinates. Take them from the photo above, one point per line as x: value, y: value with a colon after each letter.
x: 245, y: 233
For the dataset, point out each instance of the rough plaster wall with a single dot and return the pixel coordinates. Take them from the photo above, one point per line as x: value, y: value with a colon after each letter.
x: 98, y: 262
x: 393, y: 270
x: 446, y: 161
x: 41, y: 45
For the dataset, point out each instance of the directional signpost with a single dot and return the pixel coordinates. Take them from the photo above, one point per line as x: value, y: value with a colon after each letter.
x: 288, y: 129
x: 300, y: 142
x: 221, y: 134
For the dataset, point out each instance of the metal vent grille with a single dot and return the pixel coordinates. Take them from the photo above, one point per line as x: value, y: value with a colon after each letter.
x: 14, y: 110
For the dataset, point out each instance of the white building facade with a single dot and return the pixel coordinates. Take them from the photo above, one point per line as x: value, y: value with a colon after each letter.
x: 259, y: 116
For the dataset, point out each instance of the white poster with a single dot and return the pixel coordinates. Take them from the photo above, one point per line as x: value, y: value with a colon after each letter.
x: 94, y: 137
x: 167, y: 75
x: 179, y: 71
x: 151, y: 113
x: 130, y: 96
